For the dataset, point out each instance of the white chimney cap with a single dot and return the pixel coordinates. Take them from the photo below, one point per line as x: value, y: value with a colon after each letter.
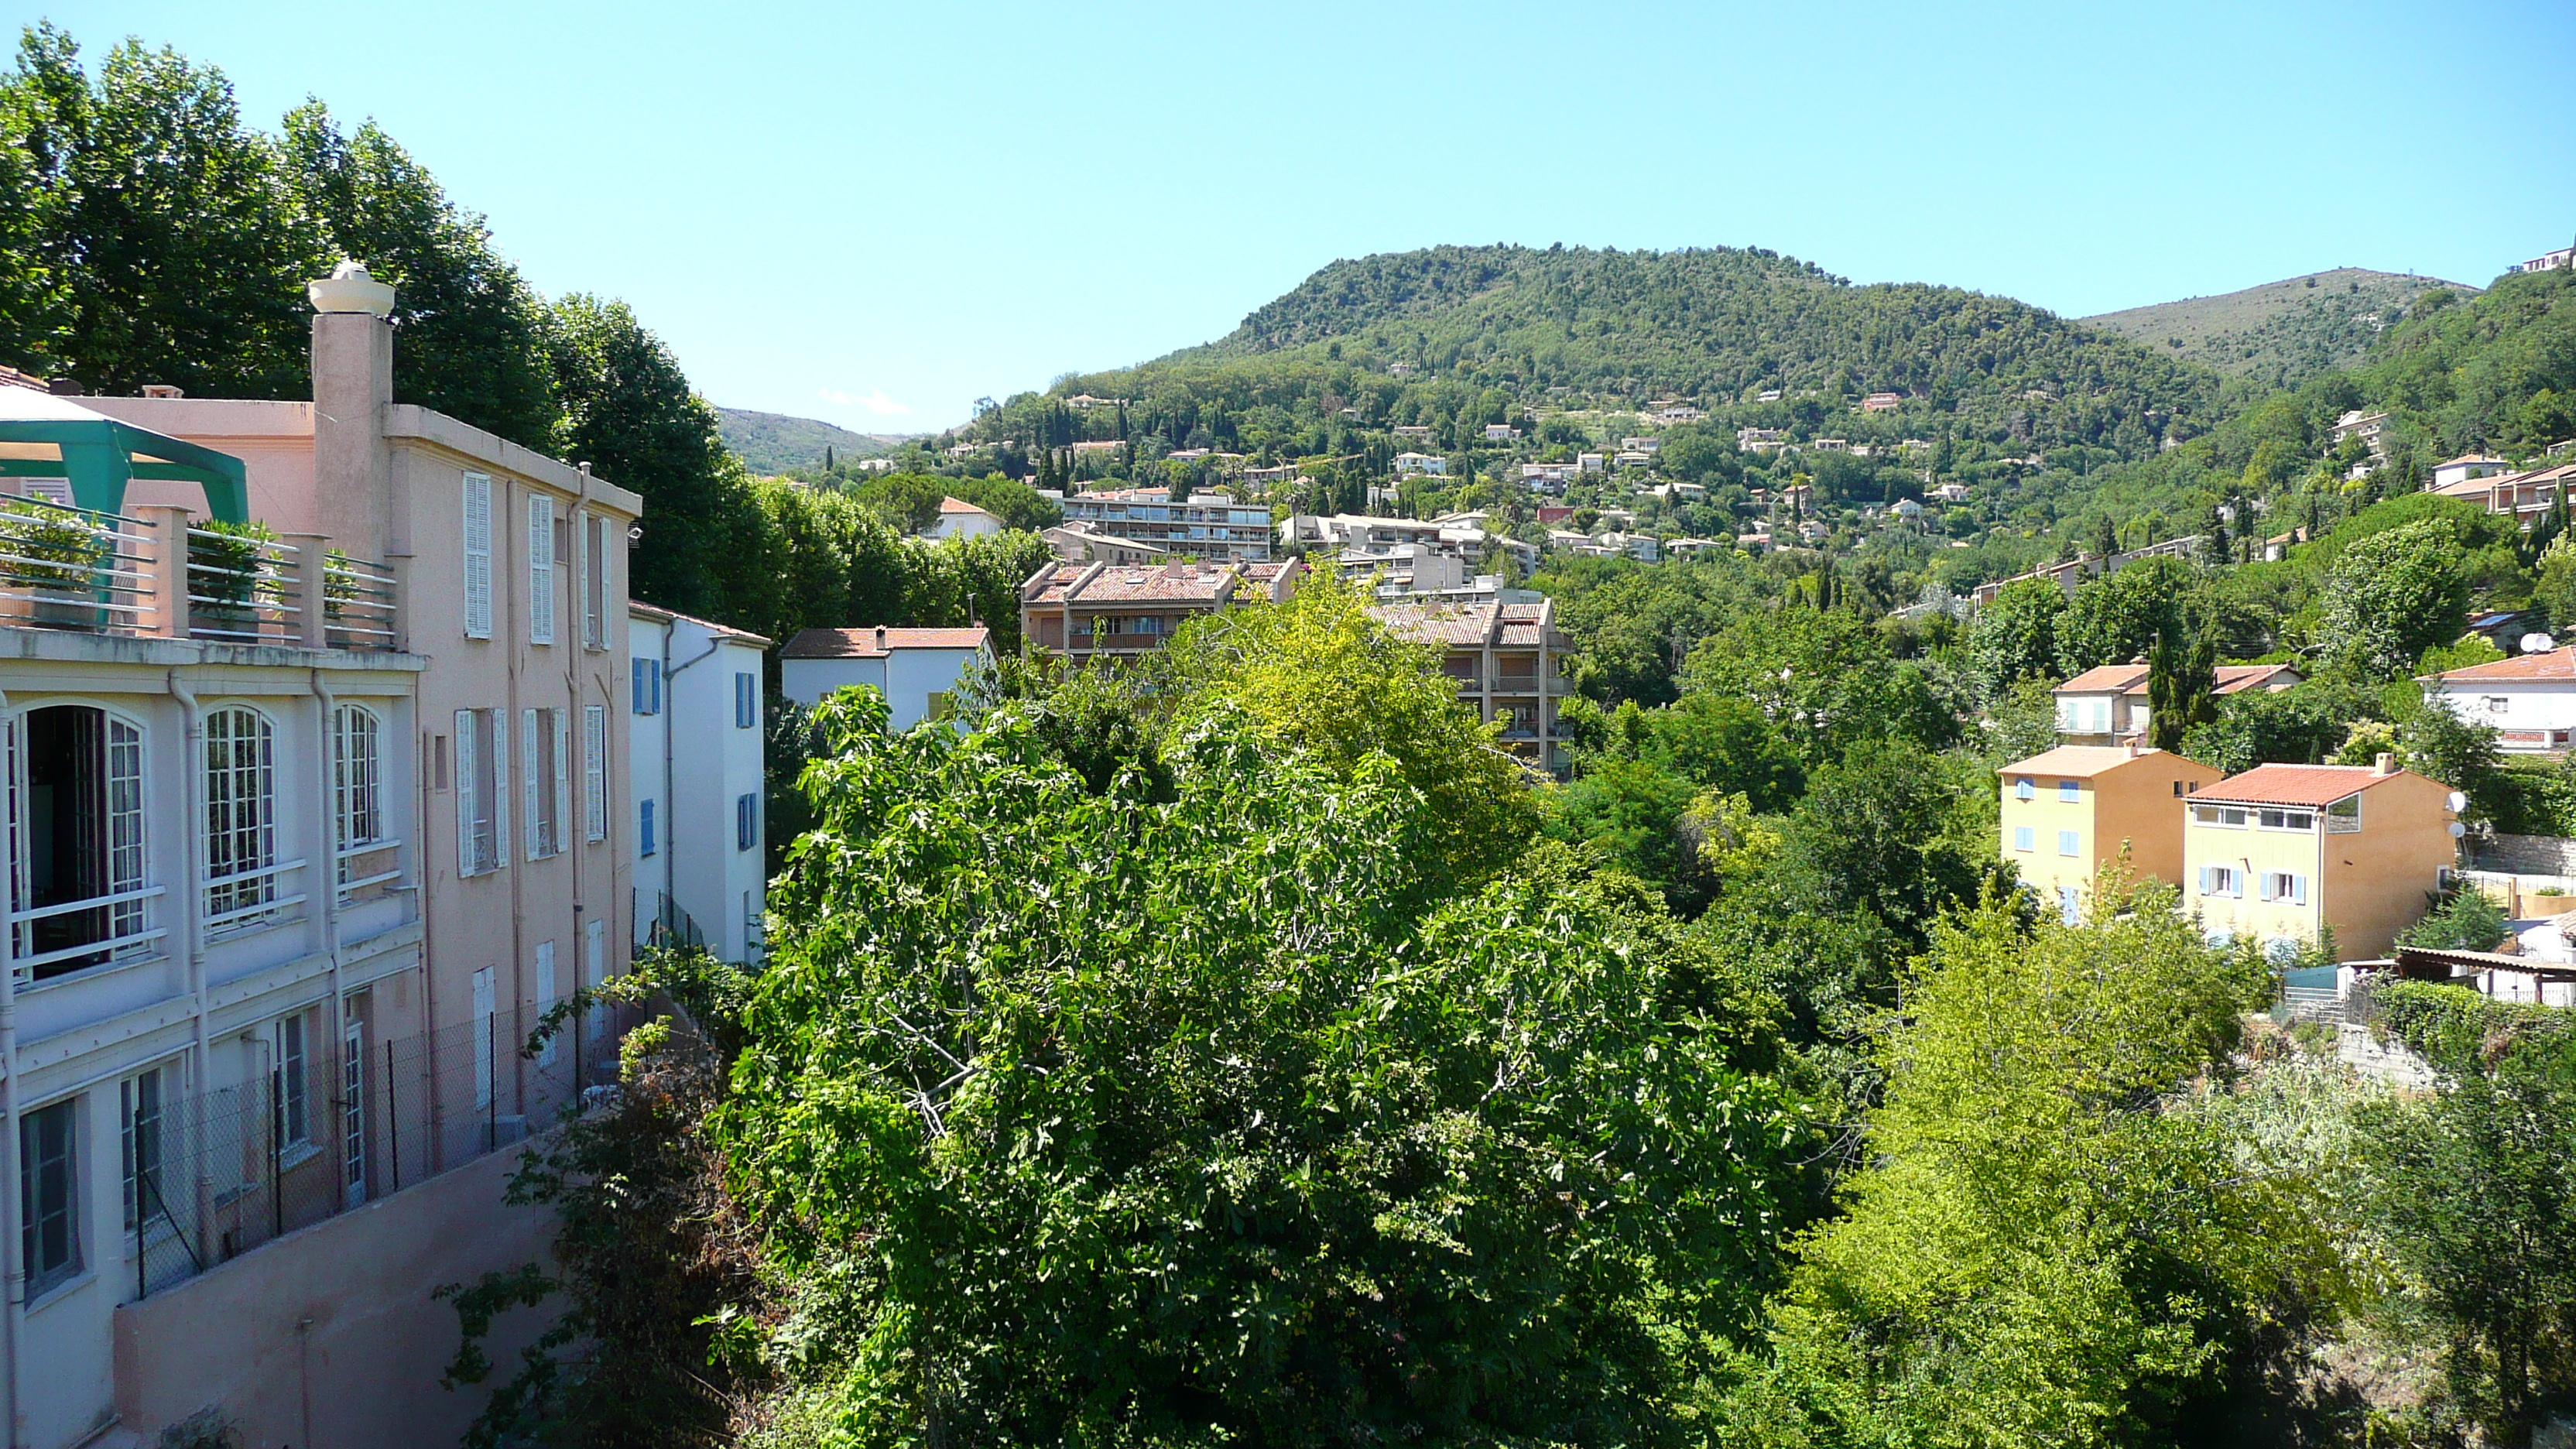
x: 350, y: 289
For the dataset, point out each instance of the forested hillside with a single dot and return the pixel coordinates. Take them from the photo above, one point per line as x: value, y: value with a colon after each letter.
x: 1719, y: 327
x: 775, y: 442
x: 2281, y: 333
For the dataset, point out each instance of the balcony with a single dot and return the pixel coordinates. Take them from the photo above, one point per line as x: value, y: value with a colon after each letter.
x: 155, y: 574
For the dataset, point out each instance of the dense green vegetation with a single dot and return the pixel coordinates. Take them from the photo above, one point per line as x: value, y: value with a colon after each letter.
x: 1152, y: 1059
x: 771, y: 443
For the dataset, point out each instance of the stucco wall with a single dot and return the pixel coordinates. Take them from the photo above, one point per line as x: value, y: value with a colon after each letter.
x: 328, y: 1338
x: 2377, y: 879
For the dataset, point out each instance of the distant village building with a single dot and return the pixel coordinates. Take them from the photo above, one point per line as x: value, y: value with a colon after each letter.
x: 2528, y: 700
x: 1678, y: 413
x: 1757, y: 440
x: 1831, y: 445
x: 1588, y: 462
x: 1408, y: 465
x: 2362, y: 425
x: 1879, y: 402
x: 961, y: 519
x: 2285, y: 854
x: 1210, y: 525
x: 2107, y: 705
x: 1083, y: 543
x: 2466, y: 467
x: 1508, y: 660
x: 1500, y: 432
x: 1098, y: 610
x: 2549, y: 261
x: 916, y: 671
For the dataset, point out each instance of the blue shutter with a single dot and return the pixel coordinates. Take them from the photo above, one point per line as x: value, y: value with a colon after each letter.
x: 650, y: 844
x: 2204, y: 880
x: 635, y: 683
x: 746, y: 820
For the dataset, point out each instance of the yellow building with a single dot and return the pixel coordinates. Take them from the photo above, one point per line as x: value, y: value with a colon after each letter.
x: 2283, y: 851
x: 2069, y: 810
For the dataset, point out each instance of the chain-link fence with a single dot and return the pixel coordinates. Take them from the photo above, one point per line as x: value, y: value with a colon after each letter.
x: 212, y: 1175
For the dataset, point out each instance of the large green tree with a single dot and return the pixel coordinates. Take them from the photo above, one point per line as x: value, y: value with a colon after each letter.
x: 1081, y: 1116
x: 2392, y: 596
x: 630, y: 414
x: 471, y: 328
x: 2044, y: 1249
x: 163, y: 242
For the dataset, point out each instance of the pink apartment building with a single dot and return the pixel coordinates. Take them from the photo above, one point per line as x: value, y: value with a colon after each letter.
x: 305, y: 836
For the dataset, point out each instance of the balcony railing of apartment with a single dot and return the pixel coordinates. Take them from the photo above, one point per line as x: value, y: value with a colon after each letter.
x: 154, y: 574
x: 211, y: 1175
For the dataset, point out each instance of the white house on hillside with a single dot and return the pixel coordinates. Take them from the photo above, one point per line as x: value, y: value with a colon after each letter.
x: 2529, y: 700
x: 961, y: 519
x: 915, y: 669
x: 698, y: 747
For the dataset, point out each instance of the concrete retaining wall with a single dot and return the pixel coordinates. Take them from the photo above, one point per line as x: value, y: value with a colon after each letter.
x: 328, y: 1338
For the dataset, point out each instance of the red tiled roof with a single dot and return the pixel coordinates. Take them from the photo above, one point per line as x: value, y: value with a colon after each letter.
x: 2295, y: 784
x: 959, y: 505
x: 2106, y: 679
x: 2132, y: 678
x: 2556, y: 664
x: 878, y: 643
x: 2083, y: 762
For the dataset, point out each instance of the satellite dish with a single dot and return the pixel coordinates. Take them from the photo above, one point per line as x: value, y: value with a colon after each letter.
x: 2458, y: 830
x: 2458, y: 802
x: 2538, y: 643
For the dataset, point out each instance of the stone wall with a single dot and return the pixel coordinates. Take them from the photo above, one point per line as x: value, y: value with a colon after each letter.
x: 2524, y: 854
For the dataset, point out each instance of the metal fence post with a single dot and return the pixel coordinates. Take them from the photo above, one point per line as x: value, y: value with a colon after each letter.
x: 492, y: 1098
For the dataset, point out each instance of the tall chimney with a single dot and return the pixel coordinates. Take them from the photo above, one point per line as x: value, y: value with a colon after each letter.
x: 2383, y: 764
x: 353, y: 384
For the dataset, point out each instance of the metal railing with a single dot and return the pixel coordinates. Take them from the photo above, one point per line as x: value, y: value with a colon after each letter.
x: 211, y: 1176
x: 357, y: 602
x: 77, y: 569
x: 67, y: 567
x: 242, y: 589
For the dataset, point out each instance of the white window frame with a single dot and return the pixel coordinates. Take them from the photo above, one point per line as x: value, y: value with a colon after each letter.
x: 478, y: 556
x: 486, y: 1008
x: 353, y: 1111
x: 546, y: 998
x: 542, y: 738
x: 124, y: 767
x: 2069, y: 843
x: 541, y: 569
x: 595, y: 578
x: 290, y: 1081
x: 357, y: 786
x: 2024, y: 788
x: 141, y: 1101
x: 2342, y: 821
x: 2025, y: 838
x: 482, y: 780
x: 594, y: 772
x: 240, y: 830
x: 2070, y: 792
x: 34, y: 1178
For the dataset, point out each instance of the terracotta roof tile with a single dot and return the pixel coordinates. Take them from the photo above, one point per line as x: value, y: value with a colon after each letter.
x: 2082, y: 762
x: 878, y: 643
x: 2556, y: 664
x: 2295, y: 784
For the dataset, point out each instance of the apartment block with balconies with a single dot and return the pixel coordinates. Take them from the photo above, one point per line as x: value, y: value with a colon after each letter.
x: 1105, y: 611
x: 1509, y: 663
x: 305, y: 714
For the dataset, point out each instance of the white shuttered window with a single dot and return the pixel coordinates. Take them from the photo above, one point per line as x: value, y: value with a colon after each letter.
x: 541, y: 570
x: 482, y: 797
x: 478, y: 556
x: 594, y: 772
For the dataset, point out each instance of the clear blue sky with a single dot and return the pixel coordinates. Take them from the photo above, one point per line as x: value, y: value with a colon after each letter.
x: 876, y: 213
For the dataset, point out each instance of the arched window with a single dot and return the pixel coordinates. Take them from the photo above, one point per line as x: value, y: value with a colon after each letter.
x: 357, y: 787
x: 75, y: 779
x: 241, y: 819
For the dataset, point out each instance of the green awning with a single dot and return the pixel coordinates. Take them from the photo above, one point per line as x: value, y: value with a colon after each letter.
x: 100, y: 455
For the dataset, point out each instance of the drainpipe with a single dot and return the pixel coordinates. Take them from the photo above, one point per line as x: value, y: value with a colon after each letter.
x: 192, y: 784
x: 12, y: 1243
x: 327, y: 887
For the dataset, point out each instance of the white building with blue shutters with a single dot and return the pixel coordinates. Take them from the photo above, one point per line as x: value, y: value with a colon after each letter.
x: 695, y: 730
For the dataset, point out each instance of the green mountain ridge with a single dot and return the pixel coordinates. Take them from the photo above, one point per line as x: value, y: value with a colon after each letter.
x: 775, y: 442
x: 1719, y: 327
x: 2279, y: 334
